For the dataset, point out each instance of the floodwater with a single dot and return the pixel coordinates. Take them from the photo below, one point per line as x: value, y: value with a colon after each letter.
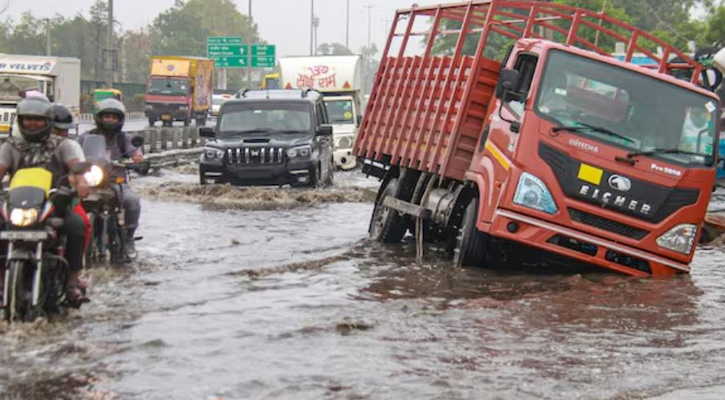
x: 295, y: 303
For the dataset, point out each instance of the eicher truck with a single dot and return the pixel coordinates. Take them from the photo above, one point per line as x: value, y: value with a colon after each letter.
x: 179, y: 89
x: 58, y: 78
x: 506, y: 130
x: 339, y: 79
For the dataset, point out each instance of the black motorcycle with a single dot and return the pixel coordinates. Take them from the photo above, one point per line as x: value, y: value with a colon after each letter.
x: 104, y: 204
x: 35, y: 269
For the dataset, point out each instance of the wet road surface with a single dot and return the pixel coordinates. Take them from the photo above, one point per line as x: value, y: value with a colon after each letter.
x: 295, y: 303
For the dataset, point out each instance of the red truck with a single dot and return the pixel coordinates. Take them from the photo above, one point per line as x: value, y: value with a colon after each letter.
x: 552, y: 151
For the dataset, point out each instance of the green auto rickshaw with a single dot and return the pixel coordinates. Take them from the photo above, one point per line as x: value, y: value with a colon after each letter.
x: 102, y: 94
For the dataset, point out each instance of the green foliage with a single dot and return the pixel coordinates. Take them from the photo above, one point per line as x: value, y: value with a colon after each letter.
x: 333, y: 49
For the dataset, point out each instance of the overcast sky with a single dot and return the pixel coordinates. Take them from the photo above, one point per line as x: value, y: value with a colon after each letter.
x: 285, y: 23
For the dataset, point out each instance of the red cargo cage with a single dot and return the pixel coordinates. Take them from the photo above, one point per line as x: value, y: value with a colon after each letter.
x: 427, y: 110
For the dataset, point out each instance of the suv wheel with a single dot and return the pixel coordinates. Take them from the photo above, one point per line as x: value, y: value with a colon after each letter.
x: 316, y: 178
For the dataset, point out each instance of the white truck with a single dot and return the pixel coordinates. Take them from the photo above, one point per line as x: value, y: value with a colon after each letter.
x: 339, y: 79
x: 58, y: 78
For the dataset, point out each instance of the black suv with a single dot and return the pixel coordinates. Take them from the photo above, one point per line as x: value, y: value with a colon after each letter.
x: 270, y: 137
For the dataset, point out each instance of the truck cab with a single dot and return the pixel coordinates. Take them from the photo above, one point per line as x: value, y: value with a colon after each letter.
x: 270, y: 138
x: 345, y: 117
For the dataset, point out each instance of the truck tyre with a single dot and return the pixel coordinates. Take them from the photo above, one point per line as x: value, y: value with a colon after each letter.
x: 471, y: 244
x: 187, y: 121
x: 151, y: 122
x: 386, y: 225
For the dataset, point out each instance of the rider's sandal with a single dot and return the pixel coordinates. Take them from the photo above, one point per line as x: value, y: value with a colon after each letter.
x: 76, y: 295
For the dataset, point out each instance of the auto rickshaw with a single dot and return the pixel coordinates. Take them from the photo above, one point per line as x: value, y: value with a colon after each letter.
x: 102, y: 94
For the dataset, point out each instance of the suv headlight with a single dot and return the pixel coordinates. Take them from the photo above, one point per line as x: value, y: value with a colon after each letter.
x: 532, y: 192
x: 24, y: 216
x: 680, y: 238
x: 300, y: 151
x: 211, y: 153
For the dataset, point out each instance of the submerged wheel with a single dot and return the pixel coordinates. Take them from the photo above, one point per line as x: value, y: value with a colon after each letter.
x: 152, y: 121
x: 18, y: 305
x: 116, y: 241
x: 471, y: 244
x: 386, y: 225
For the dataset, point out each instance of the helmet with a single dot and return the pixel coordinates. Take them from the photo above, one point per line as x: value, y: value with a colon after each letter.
x: 62, y: 117
x: 110, y: 106
x: 36, y: 108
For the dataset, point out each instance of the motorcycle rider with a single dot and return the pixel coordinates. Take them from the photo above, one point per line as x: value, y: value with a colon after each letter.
x: 36, y: 147
x: 62, y: 120
x: 110, y: 117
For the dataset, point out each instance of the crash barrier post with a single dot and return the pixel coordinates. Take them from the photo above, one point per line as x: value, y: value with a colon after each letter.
x: 165, y: 139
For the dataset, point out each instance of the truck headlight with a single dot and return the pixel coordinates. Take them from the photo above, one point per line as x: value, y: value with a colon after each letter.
x: 211, y: 154
x: 23, y: 216
x: 680, y: 238
x: 532, y: 192
x: 344, y: 142
x: 301, y: 152
x: 94, y: 176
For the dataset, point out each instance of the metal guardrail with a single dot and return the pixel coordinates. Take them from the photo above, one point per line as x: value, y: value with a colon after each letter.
x: 129, y: 116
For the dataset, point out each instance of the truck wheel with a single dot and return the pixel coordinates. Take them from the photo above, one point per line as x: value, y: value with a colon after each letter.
x: 187, y: 121
x: 471, y: 244
x: 152, y: 122
x: 316, y: 179
x: 386, y: 225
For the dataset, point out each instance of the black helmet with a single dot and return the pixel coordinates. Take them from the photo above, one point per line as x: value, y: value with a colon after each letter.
x: 36, y: 108
x: 110, y: 106
x: 62, y: 117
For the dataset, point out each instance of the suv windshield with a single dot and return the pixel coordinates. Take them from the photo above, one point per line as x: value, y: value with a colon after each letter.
x: 340, y: 111
x: 627, y: 109
x: 271, y: 116
x: 171, y: 87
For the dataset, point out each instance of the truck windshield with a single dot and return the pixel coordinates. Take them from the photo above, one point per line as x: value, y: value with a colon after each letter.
x: 340, y: 111
x: 628, y: 110
x: 265, y: 117
x: 10, y: 87
x: 169, y: 87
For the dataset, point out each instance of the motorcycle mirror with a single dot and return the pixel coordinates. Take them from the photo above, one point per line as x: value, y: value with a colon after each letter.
x: 137, y: 141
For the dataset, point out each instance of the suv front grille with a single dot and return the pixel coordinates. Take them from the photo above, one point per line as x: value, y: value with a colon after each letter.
x: 607, y: 224
x: 255, y: 155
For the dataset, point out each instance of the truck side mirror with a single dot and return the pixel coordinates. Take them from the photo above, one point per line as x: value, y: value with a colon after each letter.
x: 324, y: 130
x: 207, y: 132
x: 508, y: 80
x: 359, y: 120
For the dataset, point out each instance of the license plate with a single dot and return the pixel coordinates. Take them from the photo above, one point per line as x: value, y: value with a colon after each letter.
x: 24, y: 235
x: 166, y: 117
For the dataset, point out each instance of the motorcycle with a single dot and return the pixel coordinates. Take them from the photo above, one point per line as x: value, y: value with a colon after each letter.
x: 35, y: 269
x: 104, y: 204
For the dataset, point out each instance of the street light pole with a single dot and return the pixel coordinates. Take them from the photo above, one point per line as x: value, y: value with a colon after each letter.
x: 47, y: 36
x: 109, y: 51
x: 312, y: 25
x: 347, y: 26
x: 369, y: 7
x: 249, y: 47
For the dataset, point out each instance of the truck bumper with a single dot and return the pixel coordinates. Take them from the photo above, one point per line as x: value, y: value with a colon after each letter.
x: 344, y: 159
x: 296, y: 174
x: 167, y: 116
x: 581, y: 246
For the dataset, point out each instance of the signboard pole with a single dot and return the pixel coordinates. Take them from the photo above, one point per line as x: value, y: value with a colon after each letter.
x: 249, y: 43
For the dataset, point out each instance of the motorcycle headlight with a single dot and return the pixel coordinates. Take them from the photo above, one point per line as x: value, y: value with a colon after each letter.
x: 211, y: 154
x: 344, y: 142
x: 532, y: 192
x: 94, y: 176
x: 680, y: 238
x: 23, y: 216
x: 301, y: 152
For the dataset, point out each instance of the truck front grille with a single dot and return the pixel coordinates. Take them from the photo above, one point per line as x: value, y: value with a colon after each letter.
x: 607, y: 224
x: 255, y: 156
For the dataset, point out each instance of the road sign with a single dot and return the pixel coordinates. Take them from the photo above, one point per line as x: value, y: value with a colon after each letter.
x: 263, y: 62
x: 263, y: 50
x: 230, y: 62
x: 227, y: 51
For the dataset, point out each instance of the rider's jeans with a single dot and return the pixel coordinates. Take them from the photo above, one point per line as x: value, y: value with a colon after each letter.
x: 75, y: 231
x: 132, y: 207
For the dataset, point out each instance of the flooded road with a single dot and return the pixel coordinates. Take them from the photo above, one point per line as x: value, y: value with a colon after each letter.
x: 294, y: 303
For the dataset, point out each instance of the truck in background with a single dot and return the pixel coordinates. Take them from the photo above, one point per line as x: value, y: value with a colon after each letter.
x: 58, y: 78
x: 552, y: 152
x: 179, y: 89
x: 339, y: 79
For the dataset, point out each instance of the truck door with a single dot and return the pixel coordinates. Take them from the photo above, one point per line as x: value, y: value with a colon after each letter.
x: 508, y: 124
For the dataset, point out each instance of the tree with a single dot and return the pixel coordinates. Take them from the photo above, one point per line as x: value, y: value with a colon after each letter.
x: 333, y: 49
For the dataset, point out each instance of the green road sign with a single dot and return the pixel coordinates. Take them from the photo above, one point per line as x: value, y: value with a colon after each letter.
x: 223, y: 50
x: 230, y: 62
x: 263, y: 62
x: 224, y: 40
x: 263, y: 50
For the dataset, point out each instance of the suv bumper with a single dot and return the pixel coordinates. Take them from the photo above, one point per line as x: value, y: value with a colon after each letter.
x: 581, y: 246
x: 296, y: 173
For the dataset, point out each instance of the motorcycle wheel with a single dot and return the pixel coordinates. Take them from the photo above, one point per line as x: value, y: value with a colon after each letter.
x: 18, y: 306
x: 116, y: 241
